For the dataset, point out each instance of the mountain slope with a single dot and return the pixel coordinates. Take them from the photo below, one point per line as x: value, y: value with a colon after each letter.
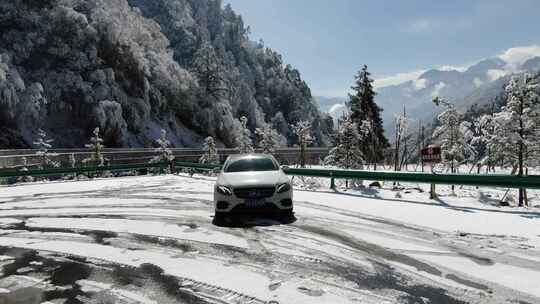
x: 134, y: 67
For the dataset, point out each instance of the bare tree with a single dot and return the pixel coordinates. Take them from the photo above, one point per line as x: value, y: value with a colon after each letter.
x: 302, y: 130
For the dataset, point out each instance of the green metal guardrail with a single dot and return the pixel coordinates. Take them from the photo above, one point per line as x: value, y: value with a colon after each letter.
x: 198, y: 166
x: 80, y: 170
x: 506, y: 181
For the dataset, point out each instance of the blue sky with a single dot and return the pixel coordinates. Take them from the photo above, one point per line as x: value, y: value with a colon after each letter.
x: 329, y: 40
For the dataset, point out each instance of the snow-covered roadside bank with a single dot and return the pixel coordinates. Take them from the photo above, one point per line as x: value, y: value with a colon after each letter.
x: 344, y: 247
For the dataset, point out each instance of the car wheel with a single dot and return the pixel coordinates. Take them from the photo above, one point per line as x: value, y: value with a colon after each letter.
x: 288, y: 215
x: 219, y: 218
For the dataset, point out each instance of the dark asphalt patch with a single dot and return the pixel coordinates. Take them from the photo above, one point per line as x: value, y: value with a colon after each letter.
x: 386, y: 278
x: 22, y: 259
x: 372, y: 249
x: 166, y: 242
x: 469, y: 283
x: 477, y: 259
x: 149, y: 275
x: 69, y: 272
x: 59, y: 272
x: 170, y: 284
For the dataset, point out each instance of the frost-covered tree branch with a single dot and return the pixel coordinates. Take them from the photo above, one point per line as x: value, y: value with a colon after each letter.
x: 245, y: 143
x: 43, y: 144
x: 96, y: 146
x: 302, y: 130
x: 268, y: 139
x: 210, y: 155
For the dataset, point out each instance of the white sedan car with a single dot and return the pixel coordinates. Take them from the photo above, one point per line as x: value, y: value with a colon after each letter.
x: 252, y: 183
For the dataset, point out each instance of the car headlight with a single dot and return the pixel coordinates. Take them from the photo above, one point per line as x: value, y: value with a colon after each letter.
x: 283, y: 188
x: 224, y: 190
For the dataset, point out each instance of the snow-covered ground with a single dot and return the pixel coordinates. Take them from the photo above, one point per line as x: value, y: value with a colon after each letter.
x: 151, y: 240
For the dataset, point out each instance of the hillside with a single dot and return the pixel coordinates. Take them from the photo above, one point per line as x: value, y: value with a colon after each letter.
x: 135, y: 67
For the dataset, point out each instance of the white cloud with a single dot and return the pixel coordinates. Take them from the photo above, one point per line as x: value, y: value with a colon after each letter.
x: 518, y: 55
x: 337, y: 107
x: 453, y: 68
x: 419, y: 84
x: 437, y: 91
x: 477, y: 82
x: 331, y: 93
x: 397, y: 79
x: 496, y: 74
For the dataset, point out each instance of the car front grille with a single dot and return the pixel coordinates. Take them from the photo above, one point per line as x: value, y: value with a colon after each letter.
x: 255, y: 193
x: 243, y: 208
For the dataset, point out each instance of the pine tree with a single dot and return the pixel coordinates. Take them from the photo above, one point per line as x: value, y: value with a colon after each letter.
x: 43, y: 144
x: 362, y: 107
x: 245, y: 141
x: 164, y: 152
x: 346, y: 153
x: 268, y: 139
x: 96, y: 145
x: 211, y: 155
x: 302, y: 130
x: 517, y: 127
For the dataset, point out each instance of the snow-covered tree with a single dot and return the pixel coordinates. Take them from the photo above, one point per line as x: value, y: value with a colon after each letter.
x: 163, y: 151
x: 400, y: 148
x: 43, y: 144
x: 302, y: 130
x: 190, y: 63
x: 72, y: 160
x: 24, y: 168
x: 96, y: 145
x: 346, y: 152
x: 516, y: 129
x: 209, y: 70
x: 210, y: 155
x: 451, y: 135
x: 476, y: 135
x: 268, y: 139
x: 245, y: 143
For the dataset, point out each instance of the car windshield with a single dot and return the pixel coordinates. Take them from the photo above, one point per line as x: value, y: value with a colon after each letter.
x: 251, y: 164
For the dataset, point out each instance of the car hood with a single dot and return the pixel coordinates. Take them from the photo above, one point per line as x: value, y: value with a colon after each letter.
x: 250, y: 179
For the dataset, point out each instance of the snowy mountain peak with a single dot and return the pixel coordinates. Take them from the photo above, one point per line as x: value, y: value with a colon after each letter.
x: 485, y: 65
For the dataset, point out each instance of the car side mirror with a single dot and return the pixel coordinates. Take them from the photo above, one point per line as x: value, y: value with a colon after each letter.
x: 216, y: 170
x: 284, y: 168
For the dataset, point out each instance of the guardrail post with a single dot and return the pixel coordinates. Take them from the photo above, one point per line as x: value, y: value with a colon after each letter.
x: 171, y: 166
x: 332, y: 182
x: 432, y: 193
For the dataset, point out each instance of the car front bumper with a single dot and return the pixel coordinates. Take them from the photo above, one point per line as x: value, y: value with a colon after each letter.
x: 277, y: 203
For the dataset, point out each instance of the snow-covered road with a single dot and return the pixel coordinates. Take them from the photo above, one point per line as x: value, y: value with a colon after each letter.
x: 151, y: 240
